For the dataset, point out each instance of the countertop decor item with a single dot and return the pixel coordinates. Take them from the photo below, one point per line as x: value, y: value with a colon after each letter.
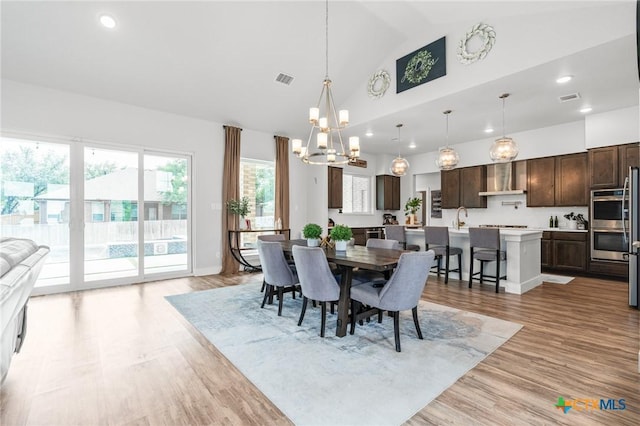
x: 487, y: 36
x: 378, y: 84
x: 326, y: 124
x: 399, y: 165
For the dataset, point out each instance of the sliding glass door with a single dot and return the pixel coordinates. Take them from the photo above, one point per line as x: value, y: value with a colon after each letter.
x: 110, y: 216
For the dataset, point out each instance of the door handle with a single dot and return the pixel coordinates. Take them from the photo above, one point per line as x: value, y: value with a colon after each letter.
x: 635, y: 244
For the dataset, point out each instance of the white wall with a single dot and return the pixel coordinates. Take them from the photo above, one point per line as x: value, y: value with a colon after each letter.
x: 36, y: 110
x: 613, y: 128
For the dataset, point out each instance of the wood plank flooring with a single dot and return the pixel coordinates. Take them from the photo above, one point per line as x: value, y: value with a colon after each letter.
x: 124, y: 356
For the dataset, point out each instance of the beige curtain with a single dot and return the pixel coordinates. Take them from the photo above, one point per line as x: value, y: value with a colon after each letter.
x: 282, y: 181
x: 230, y: 191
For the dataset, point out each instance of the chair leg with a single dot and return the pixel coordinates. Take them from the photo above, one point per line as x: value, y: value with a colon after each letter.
x: 481, y: 272
x: 263, y: 286
x: 354, y: 310
x: 446, y: 270
x: 396, y: 329
x: 414, y: 311
x: 460, y: 267
x: 304, y: 309
x: 324, y: 318
x: 439, y: 265
x: 380, y: 313
x: 333, y: 308
x: 280, y: 300
x: 267, y: 291
x: 498, y: 272
x: 471, y: 267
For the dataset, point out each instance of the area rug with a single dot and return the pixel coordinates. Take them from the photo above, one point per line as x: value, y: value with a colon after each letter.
x: 556, y: 279
x: 354, y: 380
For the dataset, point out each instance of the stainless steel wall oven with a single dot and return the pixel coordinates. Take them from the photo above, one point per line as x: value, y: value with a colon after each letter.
x: 609, y: 221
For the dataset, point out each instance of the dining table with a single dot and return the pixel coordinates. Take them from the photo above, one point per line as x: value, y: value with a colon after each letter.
x: 361, y: 257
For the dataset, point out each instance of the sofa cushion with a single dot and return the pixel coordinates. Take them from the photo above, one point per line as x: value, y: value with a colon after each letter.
x: 13, y: 251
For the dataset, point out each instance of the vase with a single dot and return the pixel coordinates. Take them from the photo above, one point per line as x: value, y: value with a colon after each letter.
x: 341, y: 245
x: 572, y: 224
x: 242, y: 224
x: 313, y: 242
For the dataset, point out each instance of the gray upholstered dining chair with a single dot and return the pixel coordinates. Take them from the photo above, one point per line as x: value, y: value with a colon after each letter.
x: 400, y: 293
x: 383, y: 244
x: 316, y: 280
x: 270, y: 237
x: 278, y: 276
x: 361, y: 276
x: 436, y: 238
x: 484, y: 245
x: 398, y: 233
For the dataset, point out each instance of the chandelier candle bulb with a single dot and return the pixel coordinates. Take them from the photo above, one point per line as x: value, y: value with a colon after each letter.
x: 354, y: 144
x: 344, y: 117
x: 296, y: 146
x: 322, y: 140
x: 322, y: 123
x: 314, y: 113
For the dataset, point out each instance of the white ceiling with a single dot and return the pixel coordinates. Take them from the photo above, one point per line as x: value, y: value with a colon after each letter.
x: 218, y: 60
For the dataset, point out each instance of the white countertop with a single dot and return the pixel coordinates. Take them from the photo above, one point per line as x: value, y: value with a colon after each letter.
x: 503, y: 231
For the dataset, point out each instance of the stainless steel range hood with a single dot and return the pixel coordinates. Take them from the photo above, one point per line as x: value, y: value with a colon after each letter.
x: 505, y: 179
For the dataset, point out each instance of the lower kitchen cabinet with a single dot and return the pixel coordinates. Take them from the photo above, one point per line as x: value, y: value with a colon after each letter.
x: 564, y: 251
x: 609, y: 269
x: 361, y: 235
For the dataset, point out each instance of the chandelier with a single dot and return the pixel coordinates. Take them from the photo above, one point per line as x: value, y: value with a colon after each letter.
x: 448, y: 157
x: 504, y: 149
x: 399, y: 165
x: 326, y: 123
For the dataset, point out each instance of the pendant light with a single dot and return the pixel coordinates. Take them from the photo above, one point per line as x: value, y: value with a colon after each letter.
x: 504, y: 149
x: 447, y: 157
x: 399, y: 165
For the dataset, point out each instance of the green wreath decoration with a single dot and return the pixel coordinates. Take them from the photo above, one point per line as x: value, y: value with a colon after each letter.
x: 418, y: 67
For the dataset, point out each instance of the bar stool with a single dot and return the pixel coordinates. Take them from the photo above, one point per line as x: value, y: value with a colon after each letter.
x: 397, y: 232
x: 436, y: 238
x: 484, y: 245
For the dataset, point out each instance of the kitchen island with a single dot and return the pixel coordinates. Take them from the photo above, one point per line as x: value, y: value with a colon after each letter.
x: 522, y: 263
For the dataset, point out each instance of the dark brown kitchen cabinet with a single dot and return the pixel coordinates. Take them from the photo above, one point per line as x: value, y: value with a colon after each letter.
x: 564, y: 251
x: 629, y: 156
x: 608, y: 166
x: 361, y: 235
x: 450, y: 187
x: 387, y: 192
x: 335, y: 187
x: 557, y: 181
x: 541, y: 182
x: 473, y: 180
x: 571, y: 180
x: 460, y: 187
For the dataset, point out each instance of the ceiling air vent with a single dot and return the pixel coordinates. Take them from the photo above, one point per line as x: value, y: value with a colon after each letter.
x: 569, y: 97
x: 284, y: 79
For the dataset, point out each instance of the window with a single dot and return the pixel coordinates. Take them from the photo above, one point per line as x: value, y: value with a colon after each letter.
x: 356, y: 193
x: 258, y: 183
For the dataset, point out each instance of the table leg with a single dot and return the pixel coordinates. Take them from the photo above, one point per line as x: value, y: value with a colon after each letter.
x: 345, y: 299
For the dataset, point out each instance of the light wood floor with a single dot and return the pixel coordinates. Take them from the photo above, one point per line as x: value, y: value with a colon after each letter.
x: 124, y: 356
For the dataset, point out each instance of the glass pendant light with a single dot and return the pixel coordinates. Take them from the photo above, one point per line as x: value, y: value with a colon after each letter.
x: 504, y: 149
x: 399, y: 165
x: 447, y: 157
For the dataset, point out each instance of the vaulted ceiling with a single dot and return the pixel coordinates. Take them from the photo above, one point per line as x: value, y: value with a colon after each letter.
x: 218, y: 61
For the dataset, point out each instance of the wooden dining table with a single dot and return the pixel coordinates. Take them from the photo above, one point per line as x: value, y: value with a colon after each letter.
x: 361, y: 257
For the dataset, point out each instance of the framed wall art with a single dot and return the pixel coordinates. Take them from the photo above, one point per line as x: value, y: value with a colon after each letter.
x: 418, y: 67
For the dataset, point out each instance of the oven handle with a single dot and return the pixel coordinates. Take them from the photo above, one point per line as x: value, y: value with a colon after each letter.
x: 624, y: 192
x: 616, y: 198
x: 608, y: 231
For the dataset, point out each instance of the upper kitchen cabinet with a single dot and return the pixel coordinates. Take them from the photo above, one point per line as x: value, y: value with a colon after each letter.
x: 460, y: 187
x: 571, y: 180
x: 335, y: 187
x: 541, y: 182
x: 608, y: 166
x: 629, y: 156
x: 387, y: 192
x: 557, y: 181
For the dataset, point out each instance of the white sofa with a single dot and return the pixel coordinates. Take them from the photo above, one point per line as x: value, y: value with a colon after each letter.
x: 20, y: 263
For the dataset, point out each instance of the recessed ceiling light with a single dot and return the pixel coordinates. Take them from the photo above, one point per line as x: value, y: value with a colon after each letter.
x: 586, y: 110
x: 412, y: 145
x: 107, y: 21
x: 369, y: 134
x: 488, y: 130
x: 564, y: 79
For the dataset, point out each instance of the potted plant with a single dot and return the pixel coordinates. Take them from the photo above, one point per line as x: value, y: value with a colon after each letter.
x: 341, y: 234
x: 239, y: 208
x: 573, y: 220
x: 582, y: 222
x: 312, y: 232
x: 411, y: 208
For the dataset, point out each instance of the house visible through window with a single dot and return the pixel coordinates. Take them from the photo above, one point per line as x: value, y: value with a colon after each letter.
x: 257, y: 182
x: 356, y: 194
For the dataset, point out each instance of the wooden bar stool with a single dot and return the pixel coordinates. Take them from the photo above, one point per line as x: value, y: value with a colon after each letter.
x: 436, y: 238
x: 484, y: 245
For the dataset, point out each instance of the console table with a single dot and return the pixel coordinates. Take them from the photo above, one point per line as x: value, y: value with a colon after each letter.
x: 237, y: 250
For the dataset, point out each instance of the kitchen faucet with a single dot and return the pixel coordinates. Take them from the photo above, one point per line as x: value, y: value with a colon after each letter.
x: 458, y: 223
